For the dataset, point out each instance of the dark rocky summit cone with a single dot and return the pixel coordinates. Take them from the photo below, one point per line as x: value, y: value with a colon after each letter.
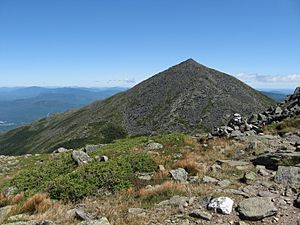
x: 188, y: 97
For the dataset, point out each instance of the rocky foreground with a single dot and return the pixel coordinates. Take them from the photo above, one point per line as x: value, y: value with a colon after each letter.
x: 245, y: 173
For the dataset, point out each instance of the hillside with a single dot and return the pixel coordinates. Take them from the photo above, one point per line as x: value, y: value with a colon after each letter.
x: 188, y: 97
x: 19, y: 106
x: 170, y: 179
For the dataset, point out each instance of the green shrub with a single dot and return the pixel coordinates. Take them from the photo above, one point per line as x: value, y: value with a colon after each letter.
x: 37, y: 177
x: 113, y: 175
x: 63, y: 179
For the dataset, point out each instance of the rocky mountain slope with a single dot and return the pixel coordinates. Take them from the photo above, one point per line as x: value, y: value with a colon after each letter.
x: 188, y: 98
x: 170, y: 179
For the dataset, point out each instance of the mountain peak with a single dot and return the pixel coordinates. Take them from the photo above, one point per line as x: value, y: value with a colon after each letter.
x: 187, y: 97
x: 189, y: 62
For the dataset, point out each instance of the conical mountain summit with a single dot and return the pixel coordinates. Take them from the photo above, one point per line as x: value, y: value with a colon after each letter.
x: 187, y: 97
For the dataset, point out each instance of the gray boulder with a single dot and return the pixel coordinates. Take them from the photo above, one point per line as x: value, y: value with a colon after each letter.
x: 81, y: 215
x: 199, y: 214
x: 4, y: 212
x: 288, y: 175
x: 256, y: 208
x: 249, y: 177
x: 179, y: 174
x: 80, y: 157
x: 208, y: 179
x: 91, y: 148
x: 10, y: 191
x: 153, y: 146
x: 61, y: 150
x: 137, y: 211
x: 176, y: 201
x: 273, y: 160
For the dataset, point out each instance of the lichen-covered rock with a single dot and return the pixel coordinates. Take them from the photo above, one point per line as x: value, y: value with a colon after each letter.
x: 80, y: 157
x: 200, y: 214
x: 179, y: 174
x: 256, y: 208
x: 4, y: 212
x: 153, y: 146
x: 288, y: 175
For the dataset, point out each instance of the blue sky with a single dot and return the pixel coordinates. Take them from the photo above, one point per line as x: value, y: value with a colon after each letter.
x: 120, y: 43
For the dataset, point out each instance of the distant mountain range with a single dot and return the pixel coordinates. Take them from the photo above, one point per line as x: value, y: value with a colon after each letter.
x: 277, y: 94
x: 188, y: 97
x: 20, y: 106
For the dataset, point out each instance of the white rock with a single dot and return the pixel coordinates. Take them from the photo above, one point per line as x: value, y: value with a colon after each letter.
x: 221, y: 204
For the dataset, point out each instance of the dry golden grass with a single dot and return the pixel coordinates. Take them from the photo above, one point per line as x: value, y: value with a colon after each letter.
x: 39, y: 203
x: 189, y: 162
x: 2, y: 197
x: 58, y: 212
x: 17, y: 198
x: 166, y: 186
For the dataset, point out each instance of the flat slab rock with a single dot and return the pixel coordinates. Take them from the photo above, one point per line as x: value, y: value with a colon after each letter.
x: 197, y: 213
x: 256, y: 208
x: 233, y: 162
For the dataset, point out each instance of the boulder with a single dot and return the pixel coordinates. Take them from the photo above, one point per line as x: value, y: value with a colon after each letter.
x: 61, y: 150
x: 288, y: 175
x: 261, y: 170
x: 10, y: 191
x: 153, y: 146
x: 208, y: 179
x: 81, y: 215
x: 224, y: 183
x: 236, y: 134
x: 249, y: 177
x: 176, y: 201
x: 256, y: 208
x: 179, y: 174
x: 144, y: 176
x: 233, y: 162
x: 103, y: 158
x: 199, y: 214
x: 137, y: 211
x: 91, y: 148
x: 80, y: 157
x: 297, y: 201
x: 222, y: 204
x: 273, y: 160
x: 4, y: 212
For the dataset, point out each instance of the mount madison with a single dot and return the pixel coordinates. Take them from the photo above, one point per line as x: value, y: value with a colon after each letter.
x: 187, y: 97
